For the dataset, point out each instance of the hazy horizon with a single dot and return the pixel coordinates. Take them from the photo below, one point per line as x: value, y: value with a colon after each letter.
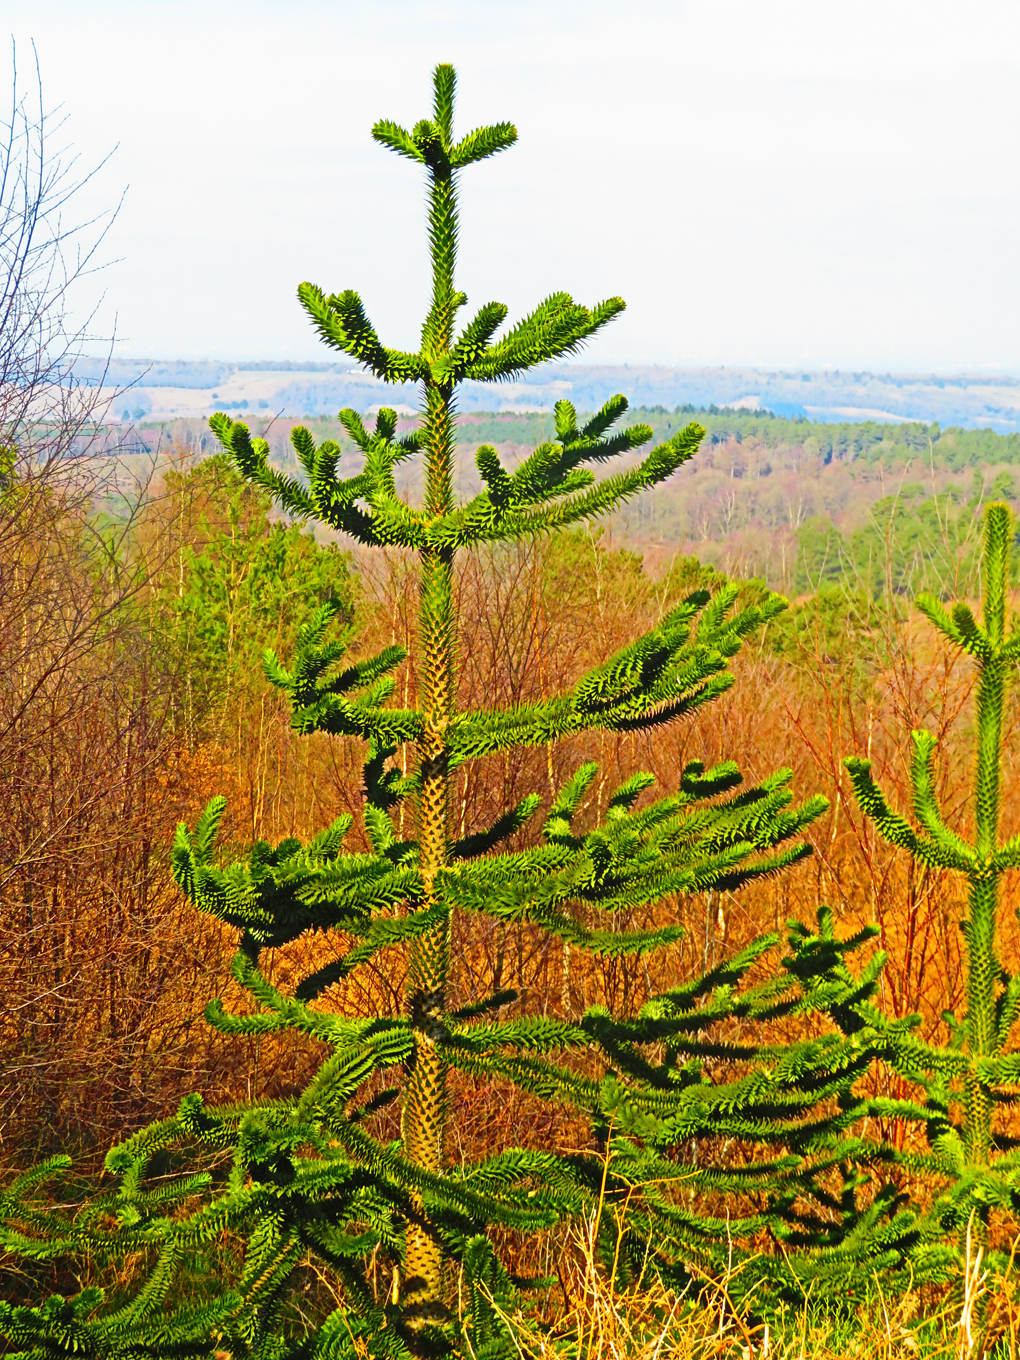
x: 166, y: 390
x: 325, y: 356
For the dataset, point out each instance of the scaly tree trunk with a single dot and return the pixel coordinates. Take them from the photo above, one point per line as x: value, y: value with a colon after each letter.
x: 425, y: 1108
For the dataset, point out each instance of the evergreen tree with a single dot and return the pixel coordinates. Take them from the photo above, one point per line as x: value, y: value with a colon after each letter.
x: 234, y: 583
x: 960, y: 1086
x: 275, y: 1184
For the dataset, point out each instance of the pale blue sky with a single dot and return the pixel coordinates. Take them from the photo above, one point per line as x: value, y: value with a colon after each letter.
x: 819, y: 184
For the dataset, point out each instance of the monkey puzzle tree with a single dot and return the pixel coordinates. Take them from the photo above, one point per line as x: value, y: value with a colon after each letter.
x: 961, y: 1084
x: 303, y: 1178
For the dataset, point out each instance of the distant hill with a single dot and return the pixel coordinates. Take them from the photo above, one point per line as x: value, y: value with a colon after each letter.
x: 168, y: 389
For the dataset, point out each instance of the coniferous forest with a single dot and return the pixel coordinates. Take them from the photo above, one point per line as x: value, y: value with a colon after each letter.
x: 443, y: 919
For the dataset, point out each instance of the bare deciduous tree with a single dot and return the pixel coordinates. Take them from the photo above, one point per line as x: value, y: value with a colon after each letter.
x: 46, y: 252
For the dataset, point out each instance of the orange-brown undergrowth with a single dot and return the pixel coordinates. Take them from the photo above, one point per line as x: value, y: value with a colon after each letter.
x: 104, y: 972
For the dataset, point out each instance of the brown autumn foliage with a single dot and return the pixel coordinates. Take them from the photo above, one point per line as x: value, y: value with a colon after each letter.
x: 104, y: 970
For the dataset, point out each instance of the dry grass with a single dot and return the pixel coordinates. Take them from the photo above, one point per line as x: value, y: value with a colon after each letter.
x: 976, y: 1316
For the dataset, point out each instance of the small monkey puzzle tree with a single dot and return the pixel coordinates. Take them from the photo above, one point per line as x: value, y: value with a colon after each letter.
x: 400, y: 1233
x: 962, y: 1084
